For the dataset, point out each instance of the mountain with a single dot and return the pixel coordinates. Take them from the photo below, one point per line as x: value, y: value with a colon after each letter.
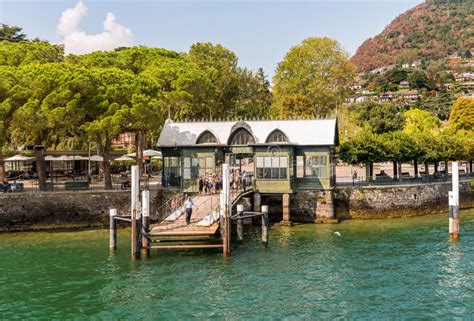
x: 432, y: 30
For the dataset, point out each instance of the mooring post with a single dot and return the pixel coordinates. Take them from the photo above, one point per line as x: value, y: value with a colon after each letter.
x: 227, y: 226
x: 112, y: 230
x: 240, y: 223
x: 265, y: 225
x: 135, y: 246
x: 454, y: 204
x: 145, y: 222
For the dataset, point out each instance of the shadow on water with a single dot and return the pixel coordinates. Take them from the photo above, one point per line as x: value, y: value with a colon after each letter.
x: 375, y: 269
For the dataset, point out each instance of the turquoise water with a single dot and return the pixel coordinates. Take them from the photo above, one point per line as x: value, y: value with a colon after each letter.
x: 390, y: 269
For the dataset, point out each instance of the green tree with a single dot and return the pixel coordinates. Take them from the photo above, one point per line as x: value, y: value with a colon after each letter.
x: 10, y: 98
x: 363, y: 148
x: 401, y: 147
x: 379, y: 117
x: 184, y: 88
x: 419, y: 80
x: 462, y: 114
x: 24, y: 53
x: 52, y: 112
x: 254, y: 97
x: 421, y: 122
x: 312, y: 79
x: 439, y: 105
x: 396, y: 75
x: 220, y: 66
x: 11, y: 33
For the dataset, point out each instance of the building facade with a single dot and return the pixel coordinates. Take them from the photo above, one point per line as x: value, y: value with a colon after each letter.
x: 281, y: 156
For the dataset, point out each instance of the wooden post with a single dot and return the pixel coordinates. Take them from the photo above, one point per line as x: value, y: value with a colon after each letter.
x: 240, y: 223
x: 226, y: 191
x: 135, y: 238
x: 265, y: 225
x: 112, y: 230
x: 454, y: 204
x: 146, y: 221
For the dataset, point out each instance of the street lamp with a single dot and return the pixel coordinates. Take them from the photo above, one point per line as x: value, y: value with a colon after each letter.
x: 89, y: 163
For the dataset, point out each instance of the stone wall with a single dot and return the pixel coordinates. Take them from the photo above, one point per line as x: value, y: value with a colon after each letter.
x: 397, y: 201
x: 368, y: 202
x: 68, y: 209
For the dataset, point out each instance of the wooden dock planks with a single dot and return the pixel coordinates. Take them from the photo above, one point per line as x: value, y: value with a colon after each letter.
x: 204, y: 205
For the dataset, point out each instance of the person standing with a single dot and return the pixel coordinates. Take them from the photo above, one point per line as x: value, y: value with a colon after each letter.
x: 188, y: 205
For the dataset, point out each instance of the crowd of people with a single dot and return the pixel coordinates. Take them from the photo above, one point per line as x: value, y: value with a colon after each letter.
x: 211, y: 183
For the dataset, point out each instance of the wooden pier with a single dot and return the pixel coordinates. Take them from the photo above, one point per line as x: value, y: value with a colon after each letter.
x: 210, y: 225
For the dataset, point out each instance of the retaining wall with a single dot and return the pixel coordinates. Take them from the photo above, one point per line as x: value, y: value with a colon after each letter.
x: 398, y: 201
x: 68, y: 209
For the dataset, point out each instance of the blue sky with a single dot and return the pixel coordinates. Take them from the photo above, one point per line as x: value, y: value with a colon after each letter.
x: 259, y: 32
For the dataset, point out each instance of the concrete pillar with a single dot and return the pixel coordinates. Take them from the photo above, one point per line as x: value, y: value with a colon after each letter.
x: 286, y: 209
x: 257, y: 202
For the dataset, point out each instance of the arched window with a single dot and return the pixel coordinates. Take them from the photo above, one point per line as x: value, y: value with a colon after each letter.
x: 207, y: 138
x: 242, y: 137
x: 277, y: 136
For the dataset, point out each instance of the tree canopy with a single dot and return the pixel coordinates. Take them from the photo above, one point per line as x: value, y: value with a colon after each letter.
x: 312, y: 79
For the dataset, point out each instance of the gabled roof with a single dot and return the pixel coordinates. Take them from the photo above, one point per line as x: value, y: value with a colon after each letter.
x: 314, y: 132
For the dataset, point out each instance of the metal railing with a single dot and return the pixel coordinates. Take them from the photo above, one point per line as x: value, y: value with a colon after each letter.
x: 382, y: 180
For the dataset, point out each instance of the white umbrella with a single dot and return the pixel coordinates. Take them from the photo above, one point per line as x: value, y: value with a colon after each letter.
x: 19, y: 158
x: 123, y: 158
x: 148, y: 153
x: 65, y: 158
x: 51, y: 158
x: 97, y: 158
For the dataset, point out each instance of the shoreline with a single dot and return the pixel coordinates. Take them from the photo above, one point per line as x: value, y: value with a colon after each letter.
x: 52, y: 211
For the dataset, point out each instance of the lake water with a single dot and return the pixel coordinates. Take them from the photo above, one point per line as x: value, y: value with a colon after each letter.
x: 390, y: 269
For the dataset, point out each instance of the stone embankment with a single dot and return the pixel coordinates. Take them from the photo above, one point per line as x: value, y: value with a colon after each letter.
x: 87, y: 209
x: 398, y: 201
x: 68, y: 209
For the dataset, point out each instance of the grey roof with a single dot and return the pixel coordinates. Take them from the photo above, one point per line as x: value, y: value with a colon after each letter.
x: 299, y: 132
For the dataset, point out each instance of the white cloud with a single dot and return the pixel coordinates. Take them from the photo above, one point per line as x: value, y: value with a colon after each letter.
x: 78, y: 42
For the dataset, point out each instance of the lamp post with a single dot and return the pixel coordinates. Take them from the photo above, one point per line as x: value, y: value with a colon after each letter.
x: 89, y: 163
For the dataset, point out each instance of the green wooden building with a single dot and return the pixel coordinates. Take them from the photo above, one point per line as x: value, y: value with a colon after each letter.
x: 282, y: 156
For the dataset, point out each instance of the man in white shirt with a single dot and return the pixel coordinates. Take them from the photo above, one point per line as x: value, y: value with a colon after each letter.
x: 188, y: 205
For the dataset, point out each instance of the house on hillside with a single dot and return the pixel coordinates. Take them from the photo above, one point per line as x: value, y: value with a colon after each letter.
x: 404, y: 84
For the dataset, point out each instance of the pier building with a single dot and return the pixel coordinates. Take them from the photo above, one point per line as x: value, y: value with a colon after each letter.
x: 292, y: 161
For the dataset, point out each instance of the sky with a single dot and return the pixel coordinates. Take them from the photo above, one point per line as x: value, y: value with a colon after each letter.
x: 260, y: 32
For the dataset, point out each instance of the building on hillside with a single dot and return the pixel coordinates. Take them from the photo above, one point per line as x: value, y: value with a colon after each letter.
x: 403, y: 94
x: 386, y: 96
x: 287, y: 159
x: 404, y: 84
x: 408, y: 95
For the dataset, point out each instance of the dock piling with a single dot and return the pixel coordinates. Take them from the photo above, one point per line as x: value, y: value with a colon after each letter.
x: 226, y: 199
x: 454, y: 204
x: 240, y: 223
x: 112, y: 230
x: 135, y: 232
x: 146, y: 222
x: 265, y: 225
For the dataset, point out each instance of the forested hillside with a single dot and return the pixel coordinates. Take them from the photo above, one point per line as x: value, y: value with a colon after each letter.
x: 430, y: 31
